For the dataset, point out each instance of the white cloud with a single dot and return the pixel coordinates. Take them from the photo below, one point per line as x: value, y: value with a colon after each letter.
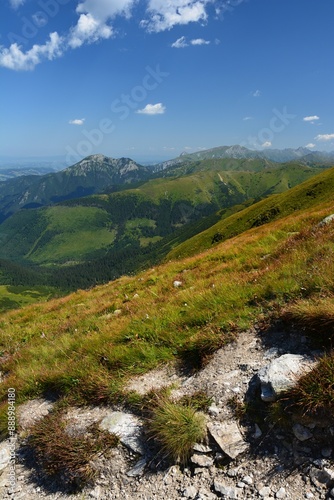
x: 246, y: 118
x: 152, y: 109
x: 257, y: 93
x: 324, y: 137
x: 94, y: 24
x: 88, y: 29
x: 199, y: 41
x: 164, y: 15
x: 311, y: 118
x: 103, y: 10
x: 266, y: 144
x: 310, y: 145
x: 14, y: 58
x: 77, y: 121
x: 16, y: 3
x: 180, y: 43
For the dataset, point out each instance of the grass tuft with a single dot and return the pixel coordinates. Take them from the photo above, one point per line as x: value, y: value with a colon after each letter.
x: 315, y: 318
x: 176, y: 427
x: 60, y: 453
x: 314, y: 392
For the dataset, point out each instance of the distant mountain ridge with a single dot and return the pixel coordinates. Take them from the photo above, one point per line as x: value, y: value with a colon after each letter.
x: 91, y: 175
x: 303, y: 155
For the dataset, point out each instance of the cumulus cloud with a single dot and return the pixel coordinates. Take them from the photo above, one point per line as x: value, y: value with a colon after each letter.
x: 164, y: 15
x: 77, y: 121
x: 257, y: 93
x: 324, y: 137
x: 105, y: 9
x: 310, y: 145
x: 14, y: 58
x: 266, y: 144
x: 89, y: 30
x: 246, y: 118
x: 180, y: 43
x: 95, y: 23
x: 152, y: 109
x: 311, y: 119
x: 199, y: 41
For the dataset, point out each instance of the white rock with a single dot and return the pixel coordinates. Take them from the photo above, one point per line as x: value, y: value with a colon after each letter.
x: 327, y: 220
x: 177, y: 284
x: 281, y: 493
x: 190, y: 492
x: 265, y: 491
x: 202, y: 460
x: 225, y: 491
x: 258, y: 433
x: 248, y: 480
x: 127, y: 427
x: 4, y: 455
x: 281, y: 374
x: 201, y: 448
x: 228, y: 437
x: 138, y: 469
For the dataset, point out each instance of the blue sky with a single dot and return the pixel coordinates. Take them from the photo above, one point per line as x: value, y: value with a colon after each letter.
x: 150, y: 79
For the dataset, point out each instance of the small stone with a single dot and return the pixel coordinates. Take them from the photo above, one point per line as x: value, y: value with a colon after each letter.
x: 240, y: 484
x: 117, y: 312
x: 321, y: 478
x: 258, y: 433
x: 248, y: 480
x: 232, y: 472
x: 265, y: 491
x: 202, y: 460
x: 327, y: 220
x: 127, y: 427
x: 138, y: 469
x: 332, y: 492
x: 201, y: 448
x: 281, y: 493
x: 309, y: 495
x: 228, y: 437
x: 190, y: 492
x: 326, y: 452
x: 213, y: 410
x: 96, y: 492
x: 177, y: 284
x: 136, y: 296
x: 225, y: 491
x: 4, y: 455
x: 301, y: 432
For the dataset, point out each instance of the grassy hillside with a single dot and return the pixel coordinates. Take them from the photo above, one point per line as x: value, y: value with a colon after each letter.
x: 306, y: 195
x: 84, y: 346
x: 102, y: 226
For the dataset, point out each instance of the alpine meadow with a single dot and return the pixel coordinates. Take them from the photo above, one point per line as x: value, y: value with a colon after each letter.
x: 166, y: 250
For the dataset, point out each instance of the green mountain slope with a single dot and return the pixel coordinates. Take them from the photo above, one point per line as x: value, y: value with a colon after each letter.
x: 84, y: 351
x: 88, y: 228
x: 308, y: 194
